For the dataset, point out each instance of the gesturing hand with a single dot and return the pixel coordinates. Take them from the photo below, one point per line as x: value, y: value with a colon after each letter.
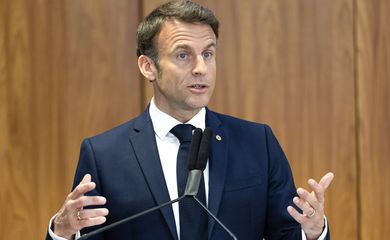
x: 71, y: 218
x: 312, y: 206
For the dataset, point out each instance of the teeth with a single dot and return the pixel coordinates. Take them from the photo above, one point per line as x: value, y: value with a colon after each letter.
x: 197, y: 86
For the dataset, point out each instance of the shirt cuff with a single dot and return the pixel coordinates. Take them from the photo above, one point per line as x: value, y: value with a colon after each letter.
x: 55, y: 237
x: 323, y: 234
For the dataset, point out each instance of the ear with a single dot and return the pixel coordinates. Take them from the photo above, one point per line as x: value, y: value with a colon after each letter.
x: 147, y: 67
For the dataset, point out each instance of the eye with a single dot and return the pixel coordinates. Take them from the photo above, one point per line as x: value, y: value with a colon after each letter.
x: 208, y: 55
x: 182, y: 56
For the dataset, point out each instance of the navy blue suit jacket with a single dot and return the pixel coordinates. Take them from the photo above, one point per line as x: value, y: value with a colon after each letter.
x: 250, y: 181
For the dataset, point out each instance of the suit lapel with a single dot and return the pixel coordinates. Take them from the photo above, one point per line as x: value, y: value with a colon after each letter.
x: 217, y: 164
x: 144, y: 145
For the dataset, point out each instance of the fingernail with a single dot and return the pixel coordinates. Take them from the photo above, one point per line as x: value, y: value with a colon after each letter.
x: 300, y: 191
x: 105, y: 211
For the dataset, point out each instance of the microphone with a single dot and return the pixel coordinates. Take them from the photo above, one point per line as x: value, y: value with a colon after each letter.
x: 196, y: 170
x: 194, y: 148
x: 204, y: 149
x: 195, y: 175
x: 192, y: 162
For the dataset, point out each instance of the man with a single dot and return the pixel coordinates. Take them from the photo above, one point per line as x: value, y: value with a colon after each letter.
x: 248, y: 182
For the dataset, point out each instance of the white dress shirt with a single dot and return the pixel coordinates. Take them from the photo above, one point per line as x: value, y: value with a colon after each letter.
x: 168, y: 147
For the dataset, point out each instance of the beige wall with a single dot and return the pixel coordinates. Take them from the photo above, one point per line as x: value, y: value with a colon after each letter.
x: 315, y: 71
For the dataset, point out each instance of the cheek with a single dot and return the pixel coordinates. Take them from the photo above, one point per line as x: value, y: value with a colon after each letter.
x: 212, y: 70
x: 178, y: 78
x: 172, y: 73
x: 170, y: 82
x: 213, y: 77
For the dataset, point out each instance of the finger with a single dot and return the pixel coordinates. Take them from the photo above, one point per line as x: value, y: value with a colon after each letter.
x: 83, y: 223
x: 319, y: 191
x: 320, y: 188
x: 326, y: 180
x: 303, y: 205
x: 296, y: 215
x: 85, y: 201
x: 93, y: 213
x: 86, y: 179
x: 81, y: 189
x: 304, y: 195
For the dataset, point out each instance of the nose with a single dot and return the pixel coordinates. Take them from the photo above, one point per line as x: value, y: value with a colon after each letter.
x: 200, y: 67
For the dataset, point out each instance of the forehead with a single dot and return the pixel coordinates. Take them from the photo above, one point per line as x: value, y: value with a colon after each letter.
x: 174, y: 33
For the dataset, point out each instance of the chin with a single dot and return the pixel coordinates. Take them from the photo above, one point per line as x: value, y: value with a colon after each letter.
x: 196, y: 106
x: 197, y: 102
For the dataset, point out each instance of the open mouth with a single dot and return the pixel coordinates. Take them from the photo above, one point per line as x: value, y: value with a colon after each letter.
x: 198, y: 86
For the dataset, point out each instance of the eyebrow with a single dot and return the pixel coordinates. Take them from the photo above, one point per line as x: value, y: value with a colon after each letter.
x: 182, y: 46
x: 187, y: 47
x: 213, y: 44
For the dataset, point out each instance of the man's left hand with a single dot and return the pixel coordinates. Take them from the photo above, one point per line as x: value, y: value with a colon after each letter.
x: 312, y: 206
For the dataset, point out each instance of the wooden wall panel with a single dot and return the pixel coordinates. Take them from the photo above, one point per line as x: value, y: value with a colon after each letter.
x: 16, y: 184
x: 373, y: 79
x: 103, y: 85
x: 291, y: 64
x: 67, y: 71
x: 21, y: 192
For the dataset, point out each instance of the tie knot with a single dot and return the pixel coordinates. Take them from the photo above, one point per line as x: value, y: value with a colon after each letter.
x: 183, y: 132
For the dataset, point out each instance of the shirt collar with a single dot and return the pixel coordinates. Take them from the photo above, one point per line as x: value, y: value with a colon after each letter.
x: 163, y: 123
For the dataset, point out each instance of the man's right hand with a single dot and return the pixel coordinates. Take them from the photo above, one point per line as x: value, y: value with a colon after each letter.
x: 71, y: 218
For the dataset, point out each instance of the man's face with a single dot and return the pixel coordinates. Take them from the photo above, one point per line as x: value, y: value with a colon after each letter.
x: 187, y: 75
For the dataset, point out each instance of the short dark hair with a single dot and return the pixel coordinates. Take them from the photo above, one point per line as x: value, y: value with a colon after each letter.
x: 183, y: 10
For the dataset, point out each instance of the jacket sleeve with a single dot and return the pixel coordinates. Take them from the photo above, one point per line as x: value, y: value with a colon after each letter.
x: 281, y: 191
x: 88, y: 165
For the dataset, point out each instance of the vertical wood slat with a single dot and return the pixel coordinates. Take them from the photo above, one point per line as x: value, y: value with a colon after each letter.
x: 67, y: 71
x: 103, y: 87
x: 15, y: 186
x: 373, y: 61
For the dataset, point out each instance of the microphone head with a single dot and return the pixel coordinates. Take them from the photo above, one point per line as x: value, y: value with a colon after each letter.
x: 204, y: 149
x: 194, y: 148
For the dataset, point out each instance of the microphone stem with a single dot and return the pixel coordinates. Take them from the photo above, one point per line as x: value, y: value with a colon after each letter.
x: 87, y: 235
x: 215, y: 218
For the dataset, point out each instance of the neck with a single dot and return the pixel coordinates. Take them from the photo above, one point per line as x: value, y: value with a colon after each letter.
x: 182, y: 115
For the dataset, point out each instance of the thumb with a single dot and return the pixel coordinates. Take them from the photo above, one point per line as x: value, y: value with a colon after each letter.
x: 87, y: 178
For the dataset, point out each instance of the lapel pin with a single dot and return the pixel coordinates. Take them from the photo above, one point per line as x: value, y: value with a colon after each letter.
x: 218, y: 137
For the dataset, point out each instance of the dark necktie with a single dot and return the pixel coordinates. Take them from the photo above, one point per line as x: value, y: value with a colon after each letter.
x: 193, y: 219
